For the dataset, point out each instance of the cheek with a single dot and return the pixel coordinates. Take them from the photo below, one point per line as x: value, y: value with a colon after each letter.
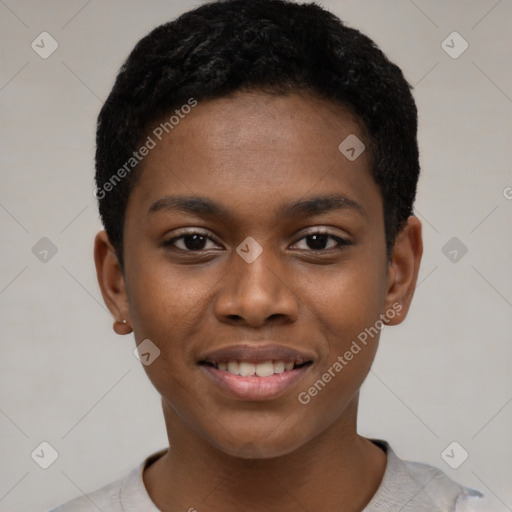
x: 348, y: 355
x: 165, y: 307
x: 164, y: 301
x: 346, y: 310
x: 349, y: 298
x: 170, y: 306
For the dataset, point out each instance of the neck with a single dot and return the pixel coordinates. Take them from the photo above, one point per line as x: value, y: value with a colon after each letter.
x: 338, y: 470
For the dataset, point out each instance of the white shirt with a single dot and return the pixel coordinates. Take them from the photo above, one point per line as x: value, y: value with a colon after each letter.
x: 405, y: 487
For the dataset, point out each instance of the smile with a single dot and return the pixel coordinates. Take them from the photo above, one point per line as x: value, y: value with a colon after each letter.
x: 256, y: 372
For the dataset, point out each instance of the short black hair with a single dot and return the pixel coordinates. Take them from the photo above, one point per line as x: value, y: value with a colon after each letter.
x: 274, y: 46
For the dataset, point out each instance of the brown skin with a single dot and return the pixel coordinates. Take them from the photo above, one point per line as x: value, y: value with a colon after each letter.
x: 252, y: 153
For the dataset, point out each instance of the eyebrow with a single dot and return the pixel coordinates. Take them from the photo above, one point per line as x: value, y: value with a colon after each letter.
x: 206, y: 207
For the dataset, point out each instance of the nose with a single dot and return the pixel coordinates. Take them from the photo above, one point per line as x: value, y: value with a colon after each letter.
x: 255, y: 294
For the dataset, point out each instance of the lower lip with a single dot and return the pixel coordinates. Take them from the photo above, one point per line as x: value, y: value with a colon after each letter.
x: 254, y: 387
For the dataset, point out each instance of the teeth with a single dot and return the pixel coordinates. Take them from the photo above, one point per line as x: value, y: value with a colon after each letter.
x: 233, y: 367
x: 279, y: 366
x: 265, y: 369
x: 245, y: 369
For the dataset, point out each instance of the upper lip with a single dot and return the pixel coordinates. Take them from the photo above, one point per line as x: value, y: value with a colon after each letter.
x: 257, y: 353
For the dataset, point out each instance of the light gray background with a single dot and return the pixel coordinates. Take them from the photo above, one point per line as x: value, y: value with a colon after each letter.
x: 67, y: 379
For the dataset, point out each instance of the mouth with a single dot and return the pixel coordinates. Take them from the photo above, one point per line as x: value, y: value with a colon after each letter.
x: 256, y: 372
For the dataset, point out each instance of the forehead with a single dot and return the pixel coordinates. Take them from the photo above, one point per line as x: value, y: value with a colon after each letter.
x: 255, y: 152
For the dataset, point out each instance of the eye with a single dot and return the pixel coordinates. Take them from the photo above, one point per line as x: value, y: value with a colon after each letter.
x: 322, y: 241
x: 190, y: 242
x: 318, y: 241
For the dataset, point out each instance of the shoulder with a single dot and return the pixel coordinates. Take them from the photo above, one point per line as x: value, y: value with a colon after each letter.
x: 127, y: 494
x: 107, y: 499
x: 417, y: 487
x: 444, y: 492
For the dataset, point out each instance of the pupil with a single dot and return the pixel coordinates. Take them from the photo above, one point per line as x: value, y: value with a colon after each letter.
x: 317, y: 242
x: 194, y: 242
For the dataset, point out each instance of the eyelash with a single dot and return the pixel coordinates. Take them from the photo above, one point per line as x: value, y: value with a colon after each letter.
x: 342, y: 242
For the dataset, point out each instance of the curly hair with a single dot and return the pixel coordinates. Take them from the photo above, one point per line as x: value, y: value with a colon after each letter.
x: 274, y: 46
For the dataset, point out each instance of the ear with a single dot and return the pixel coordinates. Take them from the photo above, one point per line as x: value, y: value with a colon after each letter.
x: 111, y: 280
x: 403, y: 270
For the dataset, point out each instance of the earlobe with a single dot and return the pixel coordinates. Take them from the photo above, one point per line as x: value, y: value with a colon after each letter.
x: 403, y: 269
x: 111, y: 281
x: 122, y: 327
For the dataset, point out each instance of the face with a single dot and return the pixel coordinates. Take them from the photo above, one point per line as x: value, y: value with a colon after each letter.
x: 255, y: 260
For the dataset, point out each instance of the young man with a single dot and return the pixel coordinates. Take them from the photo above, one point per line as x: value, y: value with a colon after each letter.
x: 257, y: 166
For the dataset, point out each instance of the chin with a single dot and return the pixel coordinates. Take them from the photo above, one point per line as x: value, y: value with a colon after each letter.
x: 262, y: 445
